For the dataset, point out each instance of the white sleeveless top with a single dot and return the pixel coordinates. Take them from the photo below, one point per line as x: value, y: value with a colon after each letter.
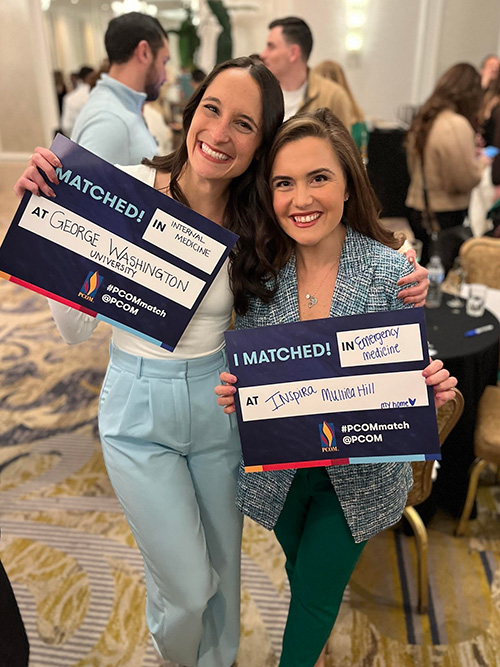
x: 203, y: 336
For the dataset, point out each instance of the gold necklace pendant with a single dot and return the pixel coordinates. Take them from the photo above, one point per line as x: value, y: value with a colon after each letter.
x: 311, y: 298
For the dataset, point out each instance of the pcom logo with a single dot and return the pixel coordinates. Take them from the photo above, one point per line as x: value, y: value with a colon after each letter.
x: 327, y: 437
x: 90, y: 286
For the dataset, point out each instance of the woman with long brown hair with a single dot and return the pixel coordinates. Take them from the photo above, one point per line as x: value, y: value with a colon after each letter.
x: 324, y: 239
x: 441, y: 155
x: 172, y: 461
x: 330, y: 69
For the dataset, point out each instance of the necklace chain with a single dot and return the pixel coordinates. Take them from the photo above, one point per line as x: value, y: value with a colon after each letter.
x: 311, y: 298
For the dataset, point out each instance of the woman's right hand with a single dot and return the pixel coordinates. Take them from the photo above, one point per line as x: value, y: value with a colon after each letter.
x: 32, y: 180
x: 226, y: 392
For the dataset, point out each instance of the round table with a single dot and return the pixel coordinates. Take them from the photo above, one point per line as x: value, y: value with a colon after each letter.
x: 474, y: 362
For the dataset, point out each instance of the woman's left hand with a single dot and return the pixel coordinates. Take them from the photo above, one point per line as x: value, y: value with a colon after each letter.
x: 226, y: 391
x: 418, y: 293
x: 437, y: 377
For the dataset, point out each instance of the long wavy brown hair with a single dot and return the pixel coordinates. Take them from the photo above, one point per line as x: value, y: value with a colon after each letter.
x: 330, y: 69
x: 248, y: 199
x: 459, y: 89
x: 361, y: 210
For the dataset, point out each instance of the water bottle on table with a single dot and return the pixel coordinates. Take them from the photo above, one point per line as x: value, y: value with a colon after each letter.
x: 436, y: 277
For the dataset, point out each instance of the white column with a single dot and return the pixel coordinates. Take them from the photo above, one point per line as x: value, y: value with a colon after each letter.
x: 427, y: 49
x: 28, y: 105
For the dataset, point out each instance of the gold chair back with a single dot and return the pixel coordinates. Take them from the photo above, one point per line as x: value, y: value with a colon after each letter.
x: 481, y: 260
x: 447, y: 416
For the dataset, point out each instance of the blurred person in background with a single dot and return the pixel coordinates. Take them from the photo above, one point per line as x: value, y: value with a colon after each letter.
x: 158, y: 124
x: 97, y: 73
x: 197, y: 76
x: 329, y: 69
x: 184, y: 81
x: 75, y: 100
x: 14, y: 646
x: 490, y: 125
x: 61, y: 89
x: 442, y: 158
x: 73, y: 80
x: 111, y: 124
x: 489, y: 70
x: 287, y: 51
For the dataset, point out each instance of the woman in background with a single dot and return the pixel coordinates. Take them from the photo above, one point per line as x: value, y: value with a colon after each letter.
x: 442, y: 157
x: 490, y: 126
x: 359, y: 130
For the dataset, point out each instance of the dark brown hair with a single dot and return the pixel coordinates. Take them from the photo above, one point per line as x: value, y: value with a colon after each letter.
x: 248, y: 201
x: 295, y: 31
x: 125, y: 32
x: 361, y: 210
x: 490, y: 99
x: 459, y: 89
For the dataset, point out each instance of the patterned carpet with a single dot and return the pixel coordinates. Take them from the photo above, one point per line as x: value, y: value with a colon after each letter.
x: 77, y: 573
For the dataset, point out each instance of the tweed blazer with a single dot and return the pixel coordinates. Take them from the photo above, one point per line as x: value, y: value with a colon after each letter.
x: 372, y: 496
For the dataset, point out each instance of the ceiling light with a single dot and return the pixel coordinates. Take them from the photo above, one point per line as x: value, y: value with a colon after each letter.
x: 353, y: 41
x: 120, y: 7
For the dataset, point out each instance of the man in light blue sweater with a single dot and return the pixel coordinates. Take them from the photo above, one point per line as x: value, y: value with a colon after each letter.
x: 111, y: 124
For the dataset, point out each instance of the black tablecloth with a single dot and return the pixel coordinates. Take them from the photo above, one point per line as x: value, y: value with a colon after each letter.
x: 387, y: 170
x: 474, y: 362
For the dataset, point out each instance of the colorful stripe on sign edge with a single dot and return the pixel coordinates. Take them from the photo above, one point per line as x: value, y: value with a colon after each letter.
x: 149, y: 339
x: 49, y: 295
x: 334, y: 462
x: 82, y: 309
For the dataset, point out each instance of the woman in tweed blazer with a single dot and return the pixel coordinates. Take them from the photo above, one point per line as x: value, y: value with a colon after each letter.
x: 333, y: 259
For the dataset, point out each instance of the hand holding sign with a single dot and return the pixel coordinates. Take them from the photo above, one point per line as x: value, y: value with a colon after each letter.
x: 289, y: 391
x: 111, y: 246
x: 436, y: 376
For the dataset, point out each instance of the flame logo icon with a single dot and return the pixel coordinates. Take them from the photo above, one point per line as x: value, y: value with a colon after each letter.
x: 91, y: 283
x: 327, y: 434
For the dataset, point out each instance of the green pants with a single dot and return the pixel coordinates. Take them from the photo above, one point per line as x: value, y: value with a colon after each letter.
x: 320, y: 557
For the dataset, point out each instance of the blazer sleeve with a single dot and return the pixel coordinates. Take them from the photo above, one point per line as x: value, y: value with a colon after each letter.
x: 399, y: 268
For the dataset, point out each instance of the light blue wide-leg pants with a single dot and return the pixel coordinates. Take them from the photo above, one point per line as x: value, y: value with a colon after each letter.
x: 172, y: 456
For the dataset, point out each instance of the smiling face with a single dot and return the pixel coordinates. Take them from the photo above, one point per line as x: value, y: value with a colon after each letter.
x: 309, y: 190
x: 225, y: 131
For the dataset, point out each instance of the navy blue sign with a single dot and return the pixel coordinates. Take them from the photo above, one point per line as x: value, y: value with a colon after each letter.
x: 115, y: 248
x: 334, y: 391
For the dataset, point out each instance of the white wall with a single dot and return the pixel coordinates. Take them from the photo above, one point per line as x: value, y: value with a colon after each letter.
x: 470, y: 31
x: 28, y: 106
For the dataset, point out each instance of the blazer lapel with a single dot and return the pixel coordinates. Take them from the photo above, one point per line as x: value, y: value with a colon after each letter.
x: 285, y: 305
x: 354, y: 277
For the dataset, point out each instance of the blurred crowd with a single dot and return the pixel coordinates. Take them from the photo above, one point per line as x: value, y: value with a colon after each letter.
x: 163, y: 116
x: 451, y: 145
